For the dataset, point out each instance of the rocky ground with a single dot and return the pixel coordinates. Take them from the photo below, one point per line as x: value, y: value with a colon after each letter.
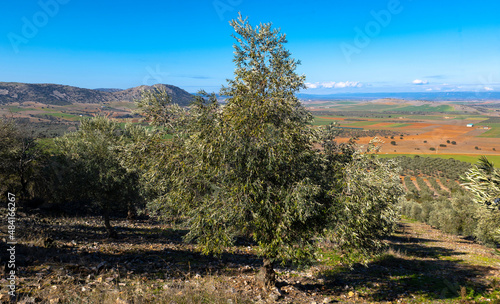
x: 70, y: 260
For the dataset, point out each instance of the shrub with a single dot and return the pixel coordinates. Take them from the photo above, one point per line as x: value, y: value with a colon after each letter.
x: 416, y: 211
x: 393, y: 143
x: 453, y: 142
x: 432, y: 149
x: 487, y: 227
x: 442, y: 145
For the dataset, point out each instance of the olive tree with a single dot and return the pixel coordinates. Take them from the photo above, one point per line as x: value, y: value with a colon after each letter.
x: 368, y: 205
x: 95, y: 170
x: 252, y: 166
x: 483, y: 181
x: 20, y: 156
x: 367, y: 191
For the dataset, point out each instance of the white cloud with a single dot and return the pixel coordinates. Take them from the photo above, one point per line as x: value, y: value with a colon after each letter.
x: 333, y: 84
x: 329, y: 84
x: 420, y: 82
x: 488, y: 89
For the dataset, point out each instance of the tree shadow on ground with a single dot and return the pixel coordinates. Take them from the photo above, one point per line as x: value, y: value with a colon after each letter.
x: 139, y: 231
x: 157, y: 250
x: 142, y: 262
x: 432, y: 272
x: 391, y: 278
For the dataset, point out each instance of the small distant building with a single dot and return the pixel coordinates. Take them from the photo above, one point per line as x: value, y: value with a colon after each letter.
x: 470, y: 125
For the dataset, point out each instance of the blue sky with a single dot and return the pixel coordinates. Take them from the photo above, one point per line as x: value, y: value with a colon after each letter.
x: 344, y: 46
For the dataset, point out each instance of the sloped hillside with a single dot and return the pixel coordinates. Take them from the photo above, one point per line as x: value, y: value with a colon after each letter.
x: 55, y: 94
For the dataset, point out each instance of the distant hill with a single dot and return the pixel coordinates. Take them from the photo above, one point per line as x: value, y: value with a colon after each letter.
x: 56, y: 94
x: 108, y: 90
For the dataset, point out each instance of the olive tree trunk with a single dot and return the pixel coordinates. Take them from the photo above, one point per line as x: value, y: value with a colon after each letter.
x: 132, y: 213
x: 268, y: 276
x: 111, y: 232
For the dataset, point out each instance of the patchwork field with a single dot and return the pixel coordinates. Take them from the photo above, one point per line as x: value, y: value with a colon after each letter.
x: 54, y: 120
x: 468, y: 158
x: 418, y: 128
x: 406, y: 127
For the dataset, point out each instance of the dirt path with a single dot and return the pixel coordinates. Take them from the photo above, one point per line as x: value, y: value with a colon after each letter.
x: 460, y: 249
x: 424, y: 265
x: 414, y: 181
x: 448, y: 265
x: 442, y: 186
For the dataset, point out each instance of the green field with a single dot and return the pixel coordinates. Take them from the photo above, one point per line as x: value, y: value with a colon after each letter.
x: 426, y: 108
x: 64, y: 115
x: 124, y: 104
x: 397, y: 125
x: 343, y: 102
x: 467, y: 117
x: 491, y: 120
x: 424, y: 117
x: 321, y: 121
x: 15, y: 109
x: 378, y: 107
x: 359, y: 124
x: 495, y: 159
x: 494, y: 132
x: 371, y: 107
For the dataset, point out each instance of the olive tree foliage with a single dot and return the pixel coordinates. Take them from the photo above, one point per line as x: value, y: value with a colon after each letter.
x: 156, y: 106
x: 483, y: 181
x: 368, y: 208
x: 95, y: 169
x: 156, y: 154
x: 9, y: 140
x: 20, y: 156
x: 255, y: 172
x: 249, y: 167
x: 153, y: 158
x: 368, y: 191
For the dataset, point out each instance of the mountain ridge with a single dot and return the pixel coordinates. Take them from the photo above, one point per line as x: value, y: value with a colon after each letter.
x: 58, y: 94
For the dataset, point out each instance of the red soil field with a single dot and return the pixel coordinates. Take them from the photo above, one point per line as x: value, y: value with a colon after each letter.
x: 424, y: 136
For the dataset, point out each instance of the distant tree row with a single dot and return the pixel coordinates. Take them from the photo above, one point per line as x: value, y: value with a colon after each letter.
x: 470, y: 210
x: 349, y: 133
x: 437, y: 167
